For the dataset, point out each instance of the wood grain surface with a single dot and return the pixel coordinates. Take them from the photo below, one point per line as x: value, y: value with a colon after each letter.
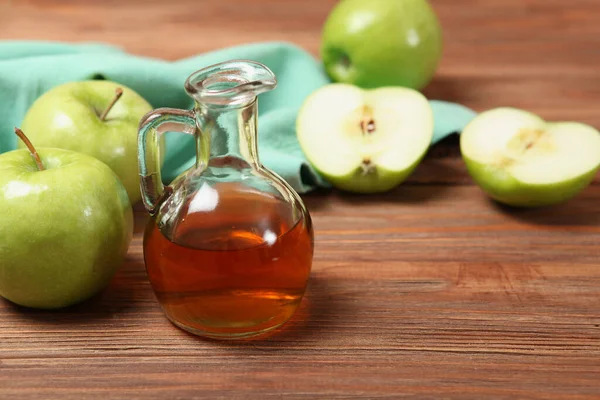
x: 430, y: 291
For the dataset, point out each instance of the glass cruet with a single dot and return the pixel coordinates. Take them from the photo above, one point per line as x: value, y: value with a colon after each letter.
x: 229, y: 246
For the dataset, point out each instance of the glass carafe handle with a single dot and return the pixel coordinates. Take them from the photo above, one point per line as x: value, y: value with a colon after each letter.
x: 152, y: 126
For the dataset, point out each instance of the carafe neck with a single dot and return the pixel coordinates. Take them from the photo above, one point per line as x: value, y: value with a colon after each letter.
x: 226, y: 111
x: 227, y: 136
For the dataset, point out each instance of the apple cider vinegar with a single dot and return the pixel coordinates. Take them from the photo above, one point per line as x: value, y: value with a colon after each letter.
x: 240, y: 268
x: 229, y: 247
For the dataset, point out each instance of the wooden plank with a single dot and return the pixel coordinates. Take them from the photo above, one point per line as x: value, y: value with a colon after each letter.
x: 429, y: 291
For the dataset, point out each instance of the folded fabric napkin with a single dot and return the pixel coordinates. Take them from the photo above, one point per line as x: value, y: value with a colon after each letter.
x: 28, y: 69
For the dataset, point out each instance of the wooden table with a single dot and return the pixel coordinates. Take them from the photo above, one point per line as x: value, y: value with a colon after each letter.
x: 430, y: 291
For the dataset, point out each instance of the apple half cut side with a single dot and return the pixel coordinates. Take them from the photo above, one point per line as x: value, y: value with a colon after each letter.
x: 365, y: 141
x: 519, y: 159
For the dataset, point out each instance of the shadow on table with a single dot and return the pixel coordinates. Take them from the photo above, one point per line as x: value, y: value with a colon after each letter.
x: 441, y: 169
x: 583, y: 210
x: 313, y: 321
x: 121, y: 295
x: 407, y: 193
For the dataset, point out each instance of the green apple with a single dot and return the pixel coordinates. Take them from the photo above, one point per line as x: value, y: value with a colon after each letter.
x: 375, y: 43
x: 69, y: 117
x: 521, y: 160
x: 365, y: 141
x: 64, y: 230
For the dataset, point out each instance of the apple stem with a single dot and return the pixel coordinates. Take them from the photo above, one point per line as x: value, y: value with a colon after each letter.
x: 118, y: 94
x: 32, y: 149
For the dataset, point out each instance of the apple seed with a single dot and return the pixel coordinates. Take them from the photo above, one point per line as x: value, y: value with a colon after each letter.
x: 367, y: 123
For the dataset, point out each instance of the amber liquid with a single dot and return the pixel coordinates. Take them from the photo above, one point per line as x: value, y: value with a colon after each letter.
x: 238, y: 267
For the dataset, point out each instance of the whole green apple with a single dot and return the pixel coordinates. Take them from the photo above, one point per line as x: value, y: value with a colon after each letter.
x: 64, y: 230
x: 375, y: 43
x: 69, y: 117
x: 365, y: 141
x: 521, y: 160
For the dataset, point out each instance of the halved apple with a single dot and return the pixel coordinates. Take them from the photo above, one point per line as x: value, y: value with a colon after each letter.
x: 519, y: 159
x: 365, y: 140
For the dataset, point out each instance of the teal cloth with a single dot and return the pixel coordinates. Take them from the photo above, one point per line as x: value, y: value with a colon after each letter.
x: 29, y: 68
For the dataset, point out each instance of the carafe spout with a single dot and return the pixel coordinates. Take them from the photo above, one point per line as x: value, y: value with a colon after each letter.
x: 233, y: 83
